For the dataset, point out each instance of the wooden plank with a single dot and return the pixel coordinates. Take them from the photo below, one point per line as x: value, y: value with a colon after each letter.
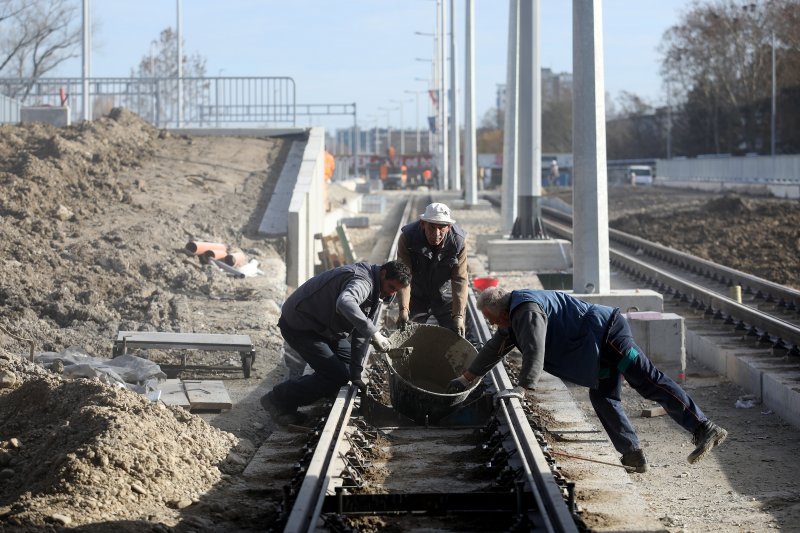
x: 344, y: 242
x: 173, y: 393
x: 208, y: 395
x: 199, y: 341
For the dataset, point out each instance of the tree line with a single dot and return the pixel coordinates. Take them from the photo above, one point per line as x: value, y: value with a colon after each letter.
x: 716, y: 67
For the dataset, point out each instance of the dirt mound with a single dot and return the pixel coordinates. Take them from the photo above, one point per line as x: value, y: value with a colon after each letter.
x: 730, y: 204
x: 75, y: 452
x: 92, y: 244
x: 759, y: 236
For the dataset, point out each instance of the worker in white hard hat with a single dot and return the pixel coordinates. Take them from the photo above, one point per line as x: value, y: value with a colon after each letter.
x: 435, y: 250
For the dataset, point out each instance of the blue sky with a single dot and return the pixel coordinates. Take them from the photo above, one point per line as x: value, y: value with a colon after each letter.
x: 364, y: 51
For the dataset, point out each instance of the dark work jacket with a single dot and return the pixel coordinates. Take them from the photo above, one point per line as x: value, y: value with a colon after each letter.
x: 336, y: 304
x: 431, y: 269
x: 569, y: 347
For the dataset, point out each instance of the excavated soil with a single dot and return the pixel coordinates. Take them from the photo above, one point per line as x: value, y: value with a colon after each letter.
x: 95, y: 218
x: 757, y: 235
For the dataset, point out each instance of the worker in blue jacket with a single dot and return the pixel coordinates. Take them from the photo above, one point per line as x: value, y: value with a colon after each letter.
x: 328, y: 321
x: 589, y: 345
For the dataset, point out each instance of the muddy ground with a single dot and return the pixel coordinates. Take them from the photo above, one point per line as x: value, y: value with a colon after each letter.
x: 94, y: 221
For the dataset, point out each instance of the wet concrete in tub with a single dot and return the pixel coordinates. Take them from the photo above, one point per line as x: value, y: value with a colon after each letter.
x: 423, y: 360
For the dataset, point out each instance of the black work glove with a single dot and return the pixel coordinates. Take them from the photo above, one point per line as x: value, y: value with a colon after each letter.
x: 361, y: 386
x: 459, y: 384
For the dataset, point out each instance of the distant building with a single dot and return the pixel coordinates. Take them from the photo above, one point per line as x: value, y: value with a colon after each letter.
x: 556, y: 86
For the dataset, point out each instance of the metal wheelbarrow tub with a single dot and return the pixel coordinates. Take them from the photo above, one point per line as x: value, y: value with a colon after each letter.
x: 422, y: 362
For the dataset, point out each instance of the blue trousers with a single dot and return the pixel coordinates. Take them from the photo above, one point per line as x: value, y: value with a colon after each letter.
x: 328, y: 357
x: 621, y: 357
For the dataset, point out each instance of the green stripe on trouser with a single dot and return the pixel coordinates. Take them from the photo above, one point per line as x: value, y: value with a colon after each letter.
x: 626, y: 360
x: 629, y: 357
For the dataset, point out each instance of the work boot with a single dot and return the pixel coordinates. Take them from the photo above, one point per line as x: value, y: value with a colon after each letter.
x: 705, y: 438
x: 635, y: 460
x: 281, y: 415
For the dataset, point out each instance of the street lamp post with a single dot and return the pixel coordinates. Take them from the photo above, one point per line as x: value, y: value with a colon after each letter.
x: 416, y: 98
x: 401, y: 104
x: 388, y: 110
x: 430, y: 107
x: 772, y: 118
x: 180, y: 64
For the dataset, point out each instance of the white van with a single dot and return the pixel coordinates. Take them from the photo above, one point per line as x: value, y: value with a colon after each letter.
x: 640, y: 175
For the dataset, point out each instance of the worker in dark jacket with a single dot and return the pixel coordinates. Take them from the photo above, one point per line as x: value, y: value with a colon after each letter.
x: 328, y: 321
x: 589, y: 345
x: 433, y: 247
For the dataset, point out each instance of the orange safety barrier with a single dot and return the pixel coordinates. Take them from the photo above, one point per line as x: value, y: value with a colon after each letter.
x: 236, y: 259
x: 201, y: 248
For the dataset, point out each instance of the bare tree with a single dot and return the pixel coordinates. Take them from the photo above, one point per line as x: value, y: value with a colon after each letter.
x: 718, y: 59
x: 158, y: 72
x: 35, y: 37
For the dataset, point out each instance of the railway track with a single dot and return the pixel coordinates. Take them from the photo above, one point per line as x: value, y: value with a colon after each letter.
x: 364, y: 466
x: 766, y: 311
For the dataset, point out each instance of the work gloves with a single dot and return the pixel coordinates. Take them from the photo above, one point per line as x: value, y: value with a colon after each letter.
x: 459, y: 384
x: 402, y: 319
x: 458, y: 325
x: 380, y: 342
x: 361, y: 386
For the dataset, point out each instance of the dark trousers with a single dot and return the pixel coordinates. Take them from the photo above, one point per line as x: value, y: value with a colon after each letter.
x: 328, y: 357
x: 443, y: 312
x: 620, y: 356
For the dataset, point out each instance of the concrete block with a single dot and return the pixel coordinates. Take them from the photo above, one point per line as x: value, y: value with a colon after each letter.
x: 662, y: 337
x: 57, y: 116
x: 743, y: 371
x: 780, y: 394
x: 704, y: 349
x: 549, y: 255
x: 373, y: 203
x: 638, y: 299
x: 482, y: 240
x: 356, y: 222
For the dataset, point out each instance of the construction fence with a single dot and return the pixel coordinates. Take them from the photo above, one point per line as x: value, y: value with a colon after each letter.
x: 217, y: 102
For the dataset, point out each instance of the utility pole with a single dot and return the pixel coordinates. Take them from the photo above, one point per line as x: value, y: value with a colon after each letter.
x: 470, y: 148
x: 180, y: 66
x: 455, y: 149
x: 87, y: 59
x: 444, y: 174
x: 774, y: 106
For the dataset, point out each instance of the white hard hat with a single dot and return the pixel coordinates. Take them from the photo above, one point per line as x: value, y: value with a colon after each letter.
x: 437, y: 213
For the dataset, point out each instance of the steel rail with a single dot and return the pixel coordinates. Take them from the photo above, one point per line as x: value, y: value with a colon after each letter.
x: 536, y: 470
x: 759, y: 287
x: 768, y: 328
x: 307, y: 505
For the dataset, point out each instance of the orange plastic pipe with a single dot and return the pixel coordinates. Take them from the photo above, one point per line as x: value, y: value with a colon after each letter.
x: 200, y: 248
x: 235, y: 259
x: 213, y: 254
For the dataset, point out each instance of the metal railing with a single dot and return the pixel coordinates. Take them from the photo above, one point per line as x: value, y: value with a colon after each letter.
x: 207, y: 102
x: 9, y: 110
